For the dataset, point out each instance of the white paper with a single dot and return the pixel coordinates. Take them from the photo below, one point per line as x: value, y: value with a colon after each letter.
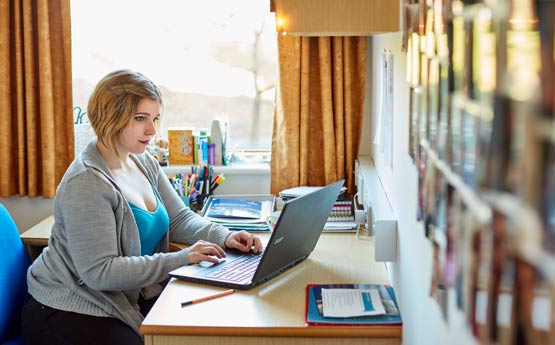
x: 302, y: 190
x: 541, y: 313
x: 340, y: 226
x: 481, y: 307
x: 504, y: 307
x: 351, y: 302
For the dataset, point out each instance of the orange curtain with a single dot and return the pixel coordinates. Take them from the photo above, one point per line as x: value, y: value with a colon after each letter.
x: 318, y: 113
x: 36, y: 117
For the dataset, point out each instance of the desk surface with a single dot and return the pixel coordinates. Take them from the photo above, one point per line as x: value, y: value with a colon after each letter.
x: 276, y: 309
x: 38, y: 234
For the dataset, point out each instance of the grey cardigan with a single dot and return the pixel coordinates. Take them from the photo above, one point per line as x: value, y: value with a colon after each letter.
x: 93, y: 263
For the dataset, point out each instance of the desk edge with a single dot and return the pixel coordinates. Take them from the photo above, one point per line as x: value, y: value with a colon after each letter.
x: 393, y: 331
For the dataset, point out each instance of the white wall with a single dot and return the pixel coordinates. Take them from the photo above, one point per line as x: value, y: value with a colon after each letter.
x: 411, y: 272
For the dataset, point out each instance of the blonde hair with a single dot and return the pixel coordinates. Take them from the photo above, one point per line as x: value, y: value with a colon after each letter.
x: 114, y: 102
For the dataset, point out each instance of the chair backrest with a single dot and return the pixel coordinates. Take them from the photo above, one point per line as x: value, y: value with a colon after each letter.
x: 13, y: 273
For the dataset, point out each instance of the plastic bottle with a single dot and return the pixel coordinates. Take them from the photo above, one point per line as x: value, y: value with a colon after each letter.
x: 217, y: 140
x: 202, y: 147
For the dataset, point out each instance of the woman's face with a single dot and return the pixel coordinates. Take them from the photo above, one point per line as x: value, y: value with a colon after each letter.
x: 136, y: 136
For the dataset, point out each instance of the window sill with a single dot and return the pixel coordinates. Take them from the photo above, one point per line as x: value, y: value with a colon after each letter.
x: 233, y: 169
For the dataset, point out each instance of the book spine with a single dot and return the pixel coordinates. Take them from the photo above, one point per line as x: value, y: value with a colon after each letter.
x: 342, y: 211
x: 196, y: 158
x: 202, y: 148
x: 211, y: 149
x: 181, y: 150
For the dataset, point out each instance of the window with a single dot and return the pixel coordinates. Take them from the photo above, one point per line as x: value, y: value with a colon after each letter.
x: 212, y: 59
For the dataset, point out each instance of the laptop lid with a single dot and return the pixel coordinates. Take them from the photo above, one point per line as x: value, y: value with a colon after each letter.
x: 294, y: 237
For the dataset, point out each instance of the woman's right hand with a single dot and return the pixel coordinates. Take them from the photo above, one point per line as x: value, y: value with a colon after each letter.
x: 205, y: 251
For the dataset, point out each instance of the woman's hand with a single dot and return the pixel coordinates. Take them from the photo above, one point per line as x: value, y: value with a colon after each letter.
x: 205, y: 251
x: 244, y: 241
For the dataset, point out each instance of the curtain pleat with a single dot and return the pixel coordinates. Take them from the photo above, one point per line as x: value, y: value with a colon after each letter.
x: 36, y: 116
x: 339, y: 104
x: 305, y: 107
x: 287, y: 130
x: 318, y: 112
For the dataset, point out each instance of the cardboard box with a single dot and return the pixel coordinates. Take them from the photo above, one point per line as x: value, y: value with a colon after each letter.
x: 181, y: 146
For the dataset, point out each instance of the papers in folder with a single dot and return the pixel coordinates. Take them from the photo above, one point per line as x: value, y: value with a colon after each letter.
x: 367, y: 305
x: 340, y: 226
x: 300, y: 191
x: 236, y: 209
x: 351, y: 302
x: 240, y: 212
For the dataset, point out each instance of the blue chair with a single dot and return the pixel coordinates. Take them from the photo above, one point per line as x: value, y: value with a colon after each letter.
x: 13, y: 281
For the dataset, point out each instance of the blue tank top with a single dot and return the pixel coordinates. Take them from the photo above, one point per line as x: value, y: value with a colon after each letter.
x: 152, y: 225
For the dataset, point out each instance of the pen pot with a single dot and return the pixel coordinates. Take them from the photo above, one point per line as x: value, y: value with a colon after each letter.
x: 197, y: 202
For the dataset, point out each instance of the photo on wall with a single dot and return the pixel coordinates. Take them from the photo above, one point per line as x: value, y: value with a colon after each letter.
x: 471, y: 136
x: 413, y: 78
x: 414, y: 97
x: 442, y: 246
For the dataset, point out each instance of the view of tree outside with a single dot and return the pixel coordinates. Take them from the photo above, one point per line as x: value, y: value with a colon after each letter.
x: 213, y: 59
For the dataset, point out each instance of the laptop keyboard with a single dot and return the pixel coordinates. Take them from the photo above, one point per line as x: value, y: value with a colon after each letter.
x: 238, y: 270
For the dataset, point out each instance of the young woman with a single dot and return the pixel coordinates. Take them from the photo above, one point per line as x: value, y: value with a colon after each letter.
x: 115, y: 212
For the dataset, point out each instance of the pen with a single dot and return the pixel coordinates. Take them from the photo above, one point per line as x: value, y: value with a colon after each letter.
x: 217, y: 182
x: 198, y: 300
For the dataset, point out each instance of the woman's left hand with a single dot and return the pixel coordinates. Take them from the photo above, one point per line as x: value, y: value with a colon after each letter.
x: 244, y: 241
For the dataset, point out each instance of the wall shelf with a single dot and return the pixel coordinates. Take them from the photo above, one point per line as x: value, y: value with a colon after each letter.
x: 336, y: 17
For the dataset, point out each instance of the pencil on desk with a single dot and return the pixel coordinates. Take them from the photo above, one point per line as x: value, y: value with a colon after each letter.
x: 198, y: 300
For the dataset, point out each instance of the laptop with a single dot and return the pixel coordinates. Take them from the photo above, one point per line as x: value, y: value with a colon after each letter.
x: 294, y: 237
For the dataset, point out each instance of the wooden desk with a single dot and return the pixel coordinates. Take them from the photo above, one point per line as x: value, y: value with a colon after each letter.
x: 273, y: 313
x: 36, y: 238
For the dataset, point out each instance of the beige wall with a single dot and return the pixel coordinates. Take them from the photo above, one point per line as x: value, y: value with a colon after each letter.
x: 26, y: 211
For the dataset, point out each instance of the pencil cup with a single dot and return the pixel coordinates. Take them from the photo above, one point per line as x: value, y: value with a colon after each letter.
x: 272, y: 219
x: 197, y: 202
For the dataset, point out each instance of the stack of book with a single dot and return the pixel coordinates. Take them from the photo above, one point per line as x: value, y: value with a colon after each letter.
x: 341, y: 219
x: 342, y: 211
x: 240, y: 212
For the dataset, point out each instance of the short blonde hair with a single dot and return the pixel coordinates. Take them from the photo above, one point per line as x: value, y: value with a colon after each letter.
x: 114, y: 102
